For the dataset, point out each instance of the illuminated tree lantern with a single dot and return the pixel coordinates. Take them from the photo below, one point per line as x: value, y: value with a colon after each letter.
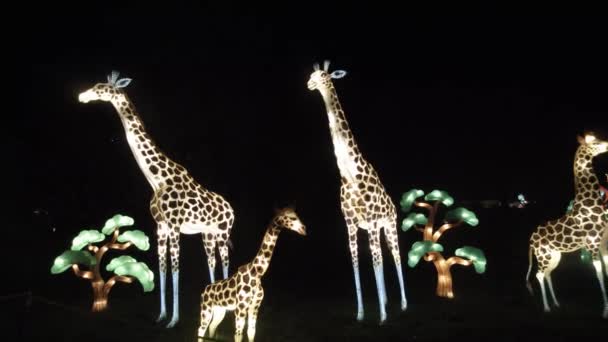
x: 179, y: 204
x: 125, y: 268
x: 243, y: 292
x: 583, y: 227
x: 429, y: 248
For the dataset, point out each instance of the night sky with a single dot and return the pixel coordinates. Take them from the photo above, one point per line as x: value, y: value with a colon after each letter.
x: 482, y: 102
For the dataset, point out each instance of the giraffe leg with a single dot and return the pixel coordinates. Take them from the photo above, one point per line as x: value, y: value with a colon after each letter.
x: 218, y: 316
x: 352, y: 236
x: 224, y: 256
x: 541, y: 280
x: 206, y: 314
x: 253, y: 313
x: 209, y: 242
x: 162, y: 232
x: 374, y: 245
x: 555, y: 258
x: 604, y: 248
x: 597, y: 264
x: 174, y: 251
x: 390, y: 233
x: 240, y: 315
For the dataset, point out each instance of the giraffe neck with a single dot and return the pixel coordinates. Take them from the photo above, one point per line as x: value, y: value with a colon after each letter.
x: 345, y: 148
x: 262, y: 259
x: 149, y: 157
x: 586, y: 183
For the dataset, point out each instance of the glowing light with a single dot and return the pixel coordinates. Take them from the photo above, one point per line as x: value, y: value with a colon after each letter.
x: 408, y: 199
x: 462, y: 214
x: 118, y: 261
x: 442, y: 196
x: 86, y: 237
x: 245, y: 283
x: 412, y: 219
x: 116, y: 222
x: 68, y: 258
x: 585, y: 255
x: 126, y: 268
x: 362, y: 208
x: 137, y: 237
x: 582, y: 219
x: 167, y: 178
x: 420, y: 248
x: 429, y: 248
x: 138, y: 270
x: 475, y: 255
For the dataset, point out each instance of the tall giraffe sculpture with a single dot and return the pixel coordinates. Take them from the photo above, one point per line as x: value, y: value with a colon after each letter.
x: 179, y: 203
x: 243, y: 292
x: 364, y: 201
x: 585, y: 226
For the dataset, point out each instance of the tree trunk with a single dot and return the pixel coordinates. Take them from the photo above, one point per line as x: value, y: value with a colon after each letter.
x: 100, y: 297
x: 444, y: 278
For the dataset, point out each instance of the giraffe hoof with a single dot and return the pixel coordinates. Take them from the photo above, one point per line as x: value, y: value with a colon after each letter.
x: 360, y: 316
x: 171, y: 324
x: 403, y: 306
x: 605, y: 315
x: 161, y: 317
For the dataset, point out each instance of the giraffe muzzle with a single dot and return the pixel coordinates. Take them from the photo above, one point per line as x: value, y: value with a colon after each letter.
x: 86, y: 96
x: 312, y: 85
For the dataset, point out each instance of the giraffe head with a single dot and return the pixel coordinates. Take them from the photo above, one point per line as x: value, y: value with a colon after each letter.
x: 287, y: 218
x: 321, y: 78
x: 105, y: 91
x: 592, y: 145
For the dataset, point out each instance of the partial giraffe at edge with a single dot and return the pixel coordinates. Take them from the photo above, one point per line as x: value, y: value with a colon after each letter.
x: 179, y: 203
x: 585, y: 226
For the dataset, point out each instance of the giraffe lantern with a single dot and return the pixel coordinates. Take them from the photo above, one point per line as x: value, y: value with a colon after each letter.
x: 243, y: 292
x: 364, y: 201
x: 585, y: 226
x: 179, y: 203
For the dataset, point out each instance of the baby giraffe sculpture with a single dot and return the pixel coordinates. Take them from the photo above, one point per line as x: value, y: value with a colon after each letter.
x: 243, y: 292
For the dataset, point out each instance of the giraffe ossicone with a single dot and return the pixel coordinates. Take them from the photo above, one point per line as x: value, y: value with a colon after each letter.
x: 584, y: 226
x: 179, y: 204
x: 364, y: 201
x: 243, y: 292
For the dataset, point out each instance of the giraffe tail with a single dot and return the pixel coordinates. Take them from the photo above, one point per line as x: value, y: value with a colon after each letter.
x: 229, y: 244
x: 528, y: 284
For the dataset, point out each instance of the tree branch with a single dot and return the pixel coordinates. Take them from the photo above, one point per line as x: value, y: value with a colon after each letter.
x: 108, y: 285
x: 120, y: 246
x: 458, y: 260
x: 432, y: 256
x: 93, y: 249
x: 428, y: 230
x: 420, y: 229
x: 443, y: 228
x: 82, y: 274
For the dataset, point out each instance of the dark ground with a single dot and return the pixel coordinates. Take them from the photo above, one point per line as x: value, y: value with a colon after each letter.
x: 308, y: 299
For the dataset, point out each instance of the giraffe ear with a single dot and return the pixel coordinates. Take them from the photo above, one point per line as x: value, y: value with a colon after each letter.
x: 113, y: 77
x: 123, y: 82
x: 581, y: 140
x: 338, y: 74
